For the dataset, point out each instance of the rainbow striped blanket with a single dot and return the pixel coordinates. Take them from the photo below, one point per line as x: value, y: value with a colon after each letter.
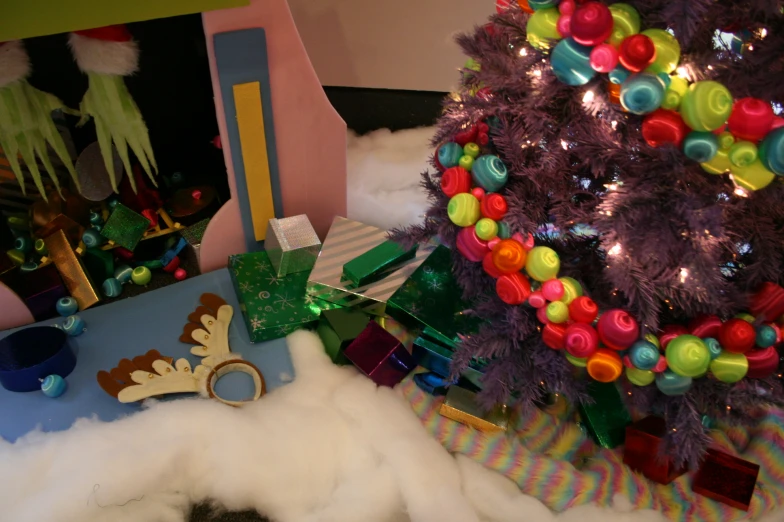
x: 552, y: 460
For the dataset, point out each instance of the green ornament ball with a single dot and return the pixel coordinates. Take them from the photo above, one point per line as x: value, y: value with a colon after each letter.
x: 572, y: 289
x: 729, y: 367
x: 542, y: 28
x: 141, y: 275
x: 640, y: 377
x: 687, y: 356
x: 486, y: 229
x: 668, y: 51
x: 706, y: 106
x: 542, y: 263
x: 557, y: 312
x: 463, y: 209
x: 626, y: 22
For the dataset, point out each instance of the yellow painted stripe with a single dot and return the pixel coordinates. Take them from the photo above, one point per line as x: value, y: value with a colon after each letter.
x: 253, y: 140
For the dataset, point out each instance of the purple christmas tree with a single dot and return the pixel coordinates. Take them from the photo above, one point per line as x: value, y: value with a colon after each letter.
x: 647, y: 229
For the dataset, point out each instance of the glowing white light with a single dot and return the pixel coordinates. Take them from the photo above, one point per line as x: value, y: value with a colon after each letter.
x: 615, y: 250
x: 614, y: 124
x: 523, y: 51
x: 588, y: 97
x: 710, y: 67
x: 682, y: 71
x: 612, y: 186
x: 684, y: 275
x: 763, y: 33
x: 751, y: 47
x: 564, y: 144
x: 537, y: 73
x: 742, y: 192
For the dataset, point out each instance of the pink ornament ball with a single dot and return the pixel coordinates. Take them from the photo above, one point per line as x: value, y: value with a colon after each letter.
x: 591, y: 23
x: 660, y: 366
x: 567, y: 7
x: 604, y: 58
x: 455, y: 180
x: 670, y: 332
x: 180, y: 274
x: 553, y: 290
x: 541, y: 315
x: 478, y: 193
x: 581, y: 340
x: 537, y: 300
x: 751, y: 119
x: 564, y: 25
x: 469, y: 244
x: 618, y: 329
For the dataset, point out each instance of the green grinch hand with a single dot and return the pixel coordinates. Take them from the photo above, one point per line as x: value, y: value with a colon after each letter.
x: 26, y: 125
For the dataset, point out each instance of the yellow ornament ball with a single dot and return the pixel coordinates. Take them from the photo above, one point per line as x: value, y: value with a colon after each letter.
x: 542, y: 263
x: 463, y: 209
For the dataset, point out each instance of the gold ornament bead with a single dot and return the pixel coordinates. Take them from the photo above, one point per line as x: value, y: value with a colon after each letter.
x: 150, y: 376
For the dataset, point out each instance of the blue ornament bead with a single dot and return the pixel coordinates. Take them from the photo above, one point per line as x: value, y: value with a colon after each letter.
x: 66, y: 306
x: 24, y: 244
x: 571, y: 62
x: 98, y: 228
x: 449, y: 154
x: 542, y: 4
x: 670, y: 383
x: 74, y: 326
x: 112, y: 203
x: 766, y: 336
x: 29, y: 266
x: 123, y: 273
x: 665, y: 78
x: 489, y: 172
x: 642, y: 93
x: 95, y: 218
x: 92, y: 238
x: 112, y: 287
x: 771, y: 151
x: 700, y: 146
x: 619, y: 74
x: 53, y: 386
x: 714, y: 347
x: 644, y: 355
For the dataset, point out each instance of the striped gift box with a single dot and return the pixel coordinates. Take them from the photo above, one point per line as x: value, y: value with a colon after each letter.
x: 346, y: 240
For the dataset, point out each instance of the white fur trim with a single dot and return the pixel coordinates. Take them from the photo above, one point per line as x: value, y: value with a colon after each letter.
x: 100, y: 56
x: 14, y: 62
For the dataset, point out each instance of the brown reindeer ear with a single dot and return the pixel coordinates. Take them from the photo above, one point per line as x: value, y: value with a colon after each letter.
x: 187, y: 332
x: 212, y: 301
x: 195, y: 316
x: 119, y: 377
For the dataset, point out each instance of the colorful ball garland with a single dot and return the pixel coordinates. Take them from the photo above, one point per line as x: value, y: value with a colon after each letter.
x: 589, y: 37
x: 609, y: 344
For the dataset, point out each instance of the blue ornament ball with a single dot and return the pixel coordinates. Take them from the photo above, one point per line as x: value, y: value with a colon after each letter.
x: 95, y: 218
x: 490, y: 173
x: 771, y: 151
x: 670, y: 383
x: 53, y: 386
x: 766, y: 336
x: 123, y: 274
x: 542, y: 4
x: 24, y: 244
x: 74, y: 325
x: 112, y: 203
x: 449, y: 154
x: 644, y: 355
x: 571, y: 62
x: 92, y: 238
x: 112, y: 287
x: 66, y: 306
x: 642, y: 93
x: 714, y: 347
x: 29, y: 266
x: 700, y: 146
x: 619, y: 74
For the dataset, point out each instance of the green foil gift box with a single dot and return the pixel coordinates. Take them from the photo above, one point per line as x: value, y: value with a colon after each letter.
x: 606, y: 418
x: 345, y: 241
x: 272, y: 306
x: 431, y: 301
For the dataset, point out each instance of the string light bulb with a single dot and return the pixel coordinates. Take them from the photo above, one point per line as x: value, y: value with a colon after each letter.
x: 588, y: 97
x: 564, y: 144
x: 684, y: 274
x: 616, y: 249
x: 523, y: 51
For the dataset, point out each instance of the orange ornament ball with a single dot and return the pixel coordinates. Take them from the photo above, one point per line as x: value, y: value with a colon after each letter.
x: 509, y: 256
x: 604, y: 365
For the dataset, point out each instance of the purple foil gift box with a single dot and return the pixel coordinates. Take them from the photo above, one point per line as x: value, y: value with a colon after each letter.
x: 380, y: 356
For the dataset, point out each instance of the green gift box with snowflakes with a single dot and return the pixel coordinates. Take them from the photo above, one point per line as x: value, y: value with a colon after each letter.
x: 272, y: 306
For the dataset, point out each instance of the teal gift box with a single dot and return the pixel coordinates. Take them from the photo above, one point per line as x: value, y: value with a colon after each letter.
x: 272, y: 306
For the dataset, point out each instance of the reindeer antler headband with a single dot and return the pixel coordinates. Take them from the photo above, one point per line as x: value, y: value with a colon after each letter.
x: 152, y: 374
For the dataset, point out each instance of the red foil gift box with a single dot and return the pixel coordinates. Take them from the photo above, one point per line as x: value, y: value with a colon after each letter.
x: 727, y: 479
x: 642, y: 451
x: 380, y: 355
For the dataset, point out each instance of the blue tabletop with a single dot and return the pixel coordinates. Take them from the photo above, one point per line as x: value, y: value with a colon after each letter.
x: 128, y: 328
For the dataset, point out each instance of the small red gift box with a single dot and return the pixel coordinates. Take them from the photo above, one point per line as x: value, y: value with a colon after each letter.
x: 727, y: 479
x: 641, y: 451
x: 380, y: 355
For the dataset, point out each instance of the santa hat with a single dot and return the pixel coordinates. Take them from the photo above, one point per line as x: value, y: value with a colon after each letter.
x: 105, y: 50
x: 14, y: 62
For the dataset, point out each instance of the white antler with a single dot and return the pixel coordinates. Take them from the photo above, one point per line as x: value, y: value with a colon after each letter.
x: 165, y: 379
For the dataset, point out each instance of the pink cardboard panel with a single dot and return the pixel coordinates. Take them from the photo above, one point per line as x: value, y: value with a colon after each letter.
x: 310, y: 135
x: 14, y: 311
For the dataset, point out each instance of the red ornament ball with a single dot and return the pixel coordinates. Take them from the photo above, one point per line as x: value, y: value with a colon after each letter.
x: 737, y: 336
x: 670, y: 332
x: 180, y: 274
x: 489, y: 267
x: 768, y: 302
x: 762, y: 363
x: 467, y: 135
x: 478, y: 193
x: 751, y: 119
x: 537, y: 300
x: 583, y: 310
x: 618, y: 329
x: 663, y: 126
x: 705, y: 326
x: 567, y: 7
x: 637, y: 52
x: 513, y: 289
x: 581, y: 340
x: 493, y: 206
x: 554, y: 335
x: 456, y: 180
x: 541, y: 314
x: 173, y: 265
x: 592, y: 23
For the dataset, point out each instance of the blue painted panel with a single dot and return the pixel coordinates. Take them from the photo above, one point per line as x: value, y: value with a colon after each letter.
x: 129, y: 328
x: 241, y: 57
